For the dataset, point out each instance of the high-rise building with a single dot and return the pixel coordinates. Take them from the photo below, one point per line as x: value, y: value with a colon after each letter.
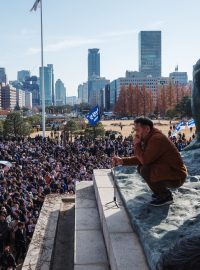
x: 28, y: 100
x: 8, y: 97
x: 151, y: 83
x: 33, y: 87
x: 93, y: 63
x: 3, y: 78
x: 113, y: 94
x: 50, y: 66
x: 150, y: 53
x: 20, y: 94
x: 60, y: 93
x: 107, y: 97
x: 134, y: 74
x: 179, y: 78
x: 71, y: 100
x: 95, y: 84
x: 48, y: 85
x: 83, y: 93
x: 22, y: 75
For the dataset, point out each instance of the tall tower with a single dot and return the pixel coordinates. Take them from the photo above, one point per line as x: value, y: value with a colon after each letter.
x: 150, y: 53
x: 93, y: 63
x: 48, y: 85
x: 3, y: 78
x: 22, y: 75
x: 50, y: 66
x: 60, y: 93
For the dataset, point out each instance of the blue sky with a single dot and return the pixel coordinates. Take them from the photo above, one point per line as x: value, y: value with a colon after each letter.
x: 73, y: 26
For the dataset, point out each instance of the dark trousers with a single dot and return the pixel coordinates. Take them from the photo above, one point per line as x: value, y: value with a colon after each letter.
x: 20, y: 252
x: 159, y: 188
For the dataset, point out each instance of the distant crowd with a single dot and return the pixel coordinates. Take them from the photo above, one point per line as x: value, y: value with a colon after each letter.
x: 180, y: 139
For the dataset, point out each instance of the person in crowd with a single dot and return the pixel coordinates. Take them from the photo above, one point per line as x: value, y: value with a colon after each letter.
x: 7, y: 259
x: 158, y: 161
x: 20, y: 242
x: 4, y: 231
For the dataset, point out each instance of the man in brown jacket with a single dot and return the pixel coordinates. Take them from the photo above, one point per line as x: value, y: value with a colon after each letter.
x: 158, y: 161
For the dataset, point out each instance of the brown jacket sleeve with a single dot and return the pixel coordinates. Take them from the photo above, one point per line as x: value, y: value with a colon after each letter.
x: 131, y: 161
x: 155, y: 148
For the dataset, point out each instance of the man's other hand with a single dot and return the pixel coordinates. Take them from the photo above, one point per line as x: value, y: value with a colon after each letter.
x: 116, y: 161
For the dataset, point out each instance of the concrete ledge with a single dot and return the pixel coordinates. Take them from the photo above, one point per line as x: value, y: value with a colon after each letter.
x: 90, y: 251
x: 40, y: 250
x: 123, y: 247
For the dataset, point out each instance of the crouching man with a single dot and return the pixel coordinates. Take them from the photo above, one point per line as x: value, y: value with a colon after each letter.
x: 158, y: 161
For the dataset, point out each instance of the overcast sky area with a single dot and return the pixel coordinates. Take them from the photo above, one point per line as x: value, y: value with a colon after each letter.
x: 73, y: 26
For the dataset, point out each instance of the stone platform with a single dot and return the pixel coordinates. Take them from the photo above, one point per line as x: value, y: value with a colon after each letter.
x: 159, y: 228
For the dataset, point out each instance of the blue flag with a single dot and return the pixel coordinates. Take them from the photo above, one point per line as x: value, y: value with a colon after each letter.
x: 93, y: 116
x: 191, y: 123
x: 181, y: 125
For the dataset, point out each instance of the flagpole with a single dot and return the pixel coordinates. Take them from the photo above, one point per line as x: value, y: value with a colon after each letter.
x: 42, y: 64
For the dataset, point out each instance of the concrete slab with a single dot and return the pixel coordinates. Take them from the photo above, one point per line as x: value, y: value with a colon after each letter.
x: 91, y: 267
x: 123, y: 246
x: 103, y: 178
x: 105, y: 198
x: 116, y: 220
x: 87, y: 219
x: 101, y: 172
x: 85, y: 197
x: 90, y: 248
x: 90, y: 251
x: 127, y: 253
x: 85, y: 203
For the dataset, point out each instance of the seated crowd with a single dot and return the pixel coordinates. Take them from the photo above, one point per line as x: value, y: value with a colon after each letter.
x: 41, y: 167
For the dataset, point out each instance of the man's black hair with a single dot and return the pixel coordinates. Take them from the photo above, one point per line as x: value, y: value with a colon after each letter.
x: 144, y: 121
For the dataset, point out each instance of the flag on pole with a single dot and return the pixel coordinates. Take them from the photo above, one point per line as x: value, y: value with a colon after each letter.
x: 191, y: 123
x: 35, y: 6
x: 93, y: 116
x: 180, y: 126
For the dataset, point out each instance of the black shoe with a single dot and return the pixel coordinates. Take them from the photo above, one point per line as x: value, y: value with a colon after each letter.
x: 161, y: 202
x: 154, y: 196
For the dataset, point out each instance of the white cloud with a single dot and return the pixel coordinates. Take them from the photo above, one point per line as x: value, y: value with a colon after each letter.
x: 155, y: 25
x: 66, y: 43
x: 120, y: 33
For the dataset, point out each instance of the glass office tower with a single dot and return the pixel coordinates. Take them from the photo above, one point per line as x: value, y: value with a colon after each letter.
x: 93, y: 63
x: 150, y: 53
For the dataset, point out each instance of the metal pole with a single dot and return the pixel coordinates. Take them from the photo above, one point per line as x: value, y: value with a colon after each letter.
x: 114, y: 182
x: 42, y: 64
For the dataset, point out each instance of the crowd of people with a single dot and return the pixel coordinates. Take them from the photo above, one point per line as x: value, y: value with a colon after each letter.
x: 180, y: 139
x: 40, y: 167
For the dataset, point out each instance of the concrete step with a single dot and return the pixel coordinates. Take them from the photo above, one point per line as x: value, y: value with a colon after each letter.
x: 123, y: 247
x: 90, y: 251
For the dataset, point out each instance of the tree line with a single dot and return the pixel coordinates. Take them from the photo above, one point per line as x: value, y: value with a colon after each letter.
x: 136, y: 100
x: 16, y: 126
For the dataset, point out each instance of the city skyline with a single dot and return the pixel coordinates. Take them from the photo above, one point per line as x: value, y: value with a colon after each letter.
x: 68, y: 39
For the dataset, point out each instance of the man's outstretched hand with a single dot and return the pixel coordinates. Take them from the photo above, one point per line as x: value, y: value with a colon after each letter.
x: 116, y: 161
